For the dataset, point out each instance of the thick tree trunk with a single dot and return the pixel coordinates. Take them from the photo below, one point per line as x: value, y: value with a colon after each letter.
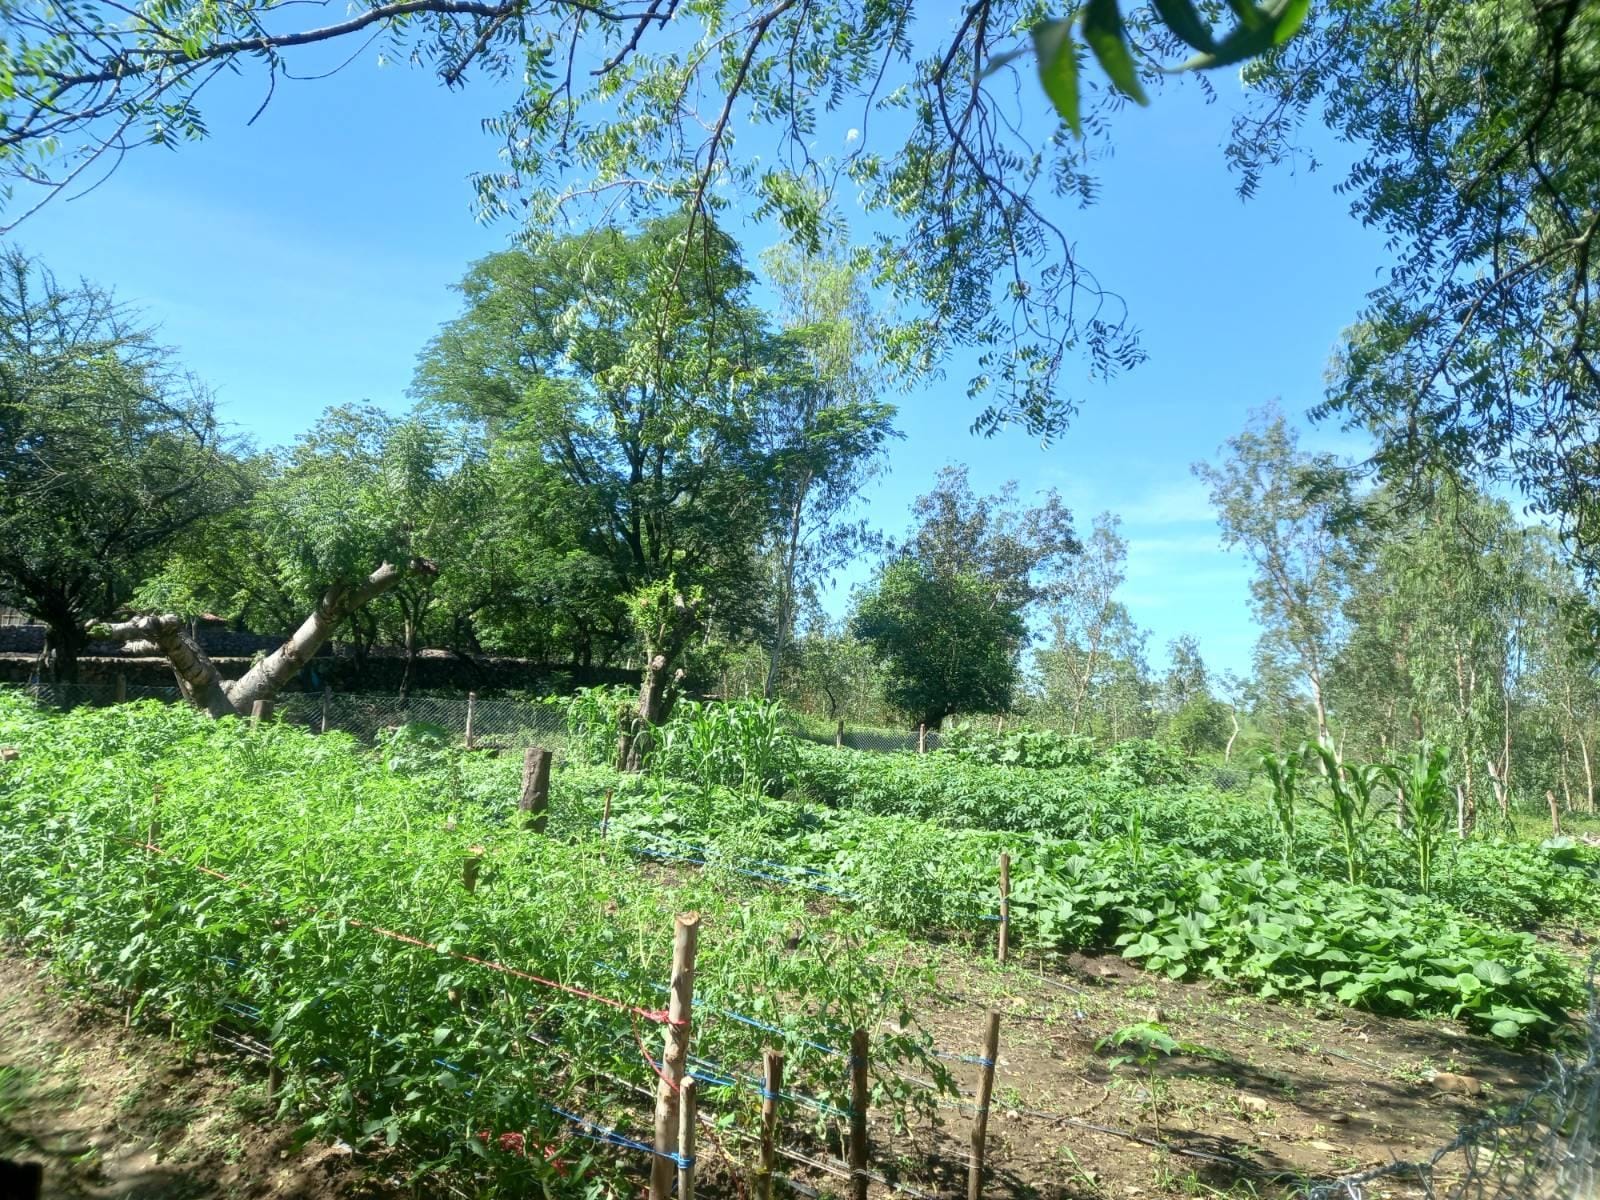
x: 63, y: 642
x: 658, y: 691
x: 198, y: 678
x: 267, y: 677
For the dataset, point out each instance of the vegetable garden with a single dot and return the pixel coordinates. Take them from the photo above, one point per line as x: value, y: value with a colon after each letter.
x: 427, y: 973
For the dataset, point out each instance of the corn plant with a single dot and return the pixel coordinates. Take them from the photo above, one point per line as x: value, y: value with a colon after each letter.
x: 744, y: 746
x: 1349, y: 803
x: 1283, y: 774
x: 1425, y: 807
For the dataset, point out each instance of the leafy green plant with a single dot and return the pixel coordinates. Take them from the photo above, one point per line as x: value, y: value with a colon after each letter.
x: 1349, y: 802
x: 743, y: 745
x: 1283, y: 774
x: 1424, y: 789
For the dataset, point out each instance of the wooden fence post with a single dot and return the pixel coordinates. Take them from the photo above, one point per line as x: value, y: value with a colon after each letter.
x: 472, y: 712
x: 260, y: 711
x: 858, y: 1115
x: 687, y: 1117
x: 470, y: 863
x: 1555, y: 813
x: 838, y: 736
x: 535, y: 799
x: 327, y: 695
x: 605, y: 817
x: 675, y: 1052
x: 1005, y: 904
x: 122, y: 688
x: 274, y: 1080
x: 980, y: 1119
x: 922, y: 739
x: 772, y: 1087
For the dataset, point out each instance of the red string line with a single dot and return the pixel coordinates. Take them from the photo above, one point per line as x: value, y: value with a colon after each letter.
x: 658, y: 1015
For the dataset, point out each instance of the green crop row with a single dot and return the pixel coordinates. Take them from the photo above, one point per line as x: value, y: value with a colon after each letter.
x: 1511, y: 884
x: 283, y: 850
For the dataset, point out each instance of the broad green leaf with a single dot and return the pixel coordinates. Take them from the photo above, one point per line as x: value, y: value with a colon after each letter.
x: 1102, y: 29
x: 1058, y: 69
x: 1187, y: 23
x: 1251, y: 41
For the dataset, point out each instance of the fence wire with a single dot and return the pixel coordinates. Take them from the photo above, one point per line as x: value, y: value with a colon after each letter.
x: 1546, y: 1147
x: 496, y: 724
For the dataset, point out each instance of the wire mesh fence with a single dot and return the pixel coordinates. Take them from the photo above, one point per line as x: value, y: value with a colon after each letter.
x: 486, y: 724
x: 873, y: 741
x: 1545, y: 1147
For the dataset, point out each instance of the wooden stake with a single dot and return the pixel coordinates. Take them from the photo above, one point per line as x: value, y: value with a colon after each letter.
x: 605, y: 817
x: 327, y: 694
x: 1005, y: 904
x: 274, y: 1081
x: 838, y: 736
x: 675, y: 1052
x: 122, y: 688
x: 260, y: 711
x: 472, y: 712
x: 535, y: 788
x: 980, y: 1120
x: 858, y: 1115
x: 772, y: 1086
x: 922, y: 739
x: 687, y: 1117
x: 1555, y: 814
x: 469, y: 868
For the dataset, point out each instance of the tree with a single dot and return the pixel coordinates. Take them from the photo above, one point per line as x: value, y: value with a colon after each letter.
x: 948, y: 611
x: 948, y: 646
x: 1085, y: 613
x: 343, y: 517
x: 1480, y: 162
x: 636, y: 107
x: 624, y: 432
x: 823, y: 428
x: 1285, y: 509
x: 110, y: 455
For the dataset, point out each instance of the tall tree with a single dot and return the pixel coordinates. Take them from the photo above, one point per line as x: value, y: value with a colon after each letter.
x: 347, y: 514
x: 823, y: 428
x: 1284, y: 508
x: 949, y: 610
x: 110, y: 454
x: 1085, y: 614
x: 1475, y: 128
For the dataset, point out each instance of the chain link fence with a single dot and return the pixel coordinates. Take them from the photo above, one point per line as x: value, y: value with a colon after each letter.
x: 492, y: 724
x: 1543, y: 1148
x: 873, y: 741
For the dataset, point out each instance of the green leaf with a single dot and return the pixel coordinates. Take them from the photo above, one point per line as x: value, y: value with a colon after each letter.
x: 1509, y: 1030
x: 1249, y: 41
x: 1491, y: 972
x: 1102, y: 29
x: 1058, y: 69
x: 1185, y: 21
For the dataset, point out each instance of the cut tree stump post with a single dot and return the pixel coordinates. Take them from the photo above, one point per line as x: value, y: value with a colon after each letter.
x: 922, y: 739
x: 838, y: 737
x: 535, y: 799
x: 858, y: 1115
x: 1005, y: 904
x: 260, y: 712
x: 122, y: 688
x: 675, y: 1053
x: 980, y: 1119
x: 687, y: 1117
x: 327, y: 695
x: 470, y: 863
x: 772, y: 1088
x: 472, y: 712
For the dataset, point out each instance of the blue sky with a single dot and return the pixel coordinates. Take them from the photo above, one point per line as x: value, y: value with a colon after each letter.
x: 304, y: 260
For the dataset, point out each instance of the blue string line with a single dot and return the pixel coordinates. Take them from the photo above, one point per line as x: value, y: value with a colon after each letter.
x: 610, y: 1137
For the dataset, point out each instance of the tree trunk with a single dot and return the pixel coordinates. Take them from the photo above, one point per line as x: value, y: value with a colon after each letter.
x: 658, y: 691
x: 267, y: 677
x: 198, y: 678
x: 63, y: 641
x: 1227, y: 751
